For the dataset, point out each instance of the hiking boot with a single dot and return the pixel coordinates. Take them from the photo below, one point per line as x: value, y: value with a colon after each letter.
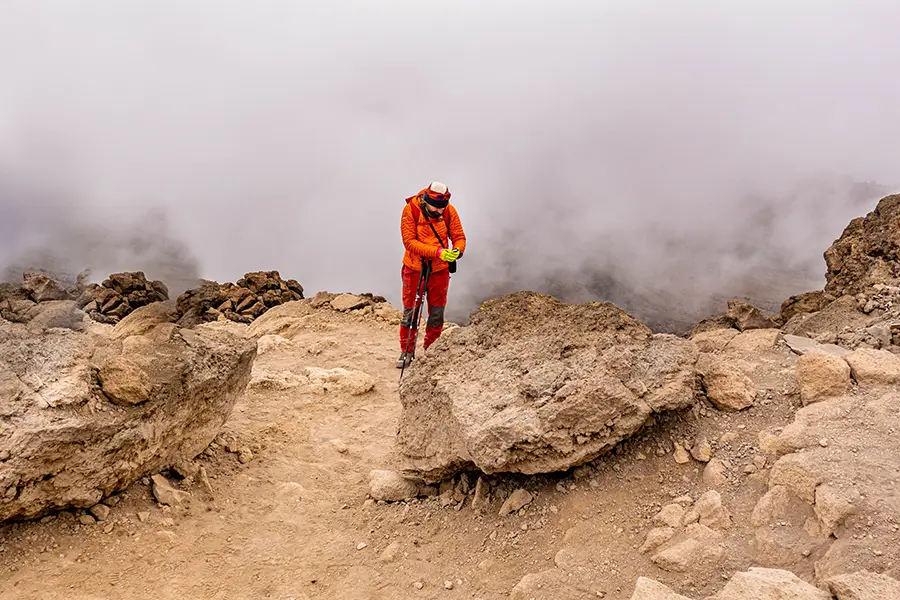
x: 408, y: 356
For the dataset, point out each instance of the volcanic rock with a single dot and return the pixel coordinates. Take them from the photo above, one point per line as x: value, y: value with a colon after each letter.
x: 85, y: 414
x: 534, y: 385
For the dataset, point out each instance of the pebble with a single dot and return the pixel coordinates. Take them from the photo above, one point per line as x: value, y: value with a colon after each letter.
x: 361, y: 545
x: 823, y: 442
x: 448, y: 585
x: 418, y: 585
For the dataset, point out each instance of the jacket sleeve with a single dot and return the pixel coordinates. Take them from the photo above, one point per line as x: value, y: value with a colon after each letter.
x: 410, y: 242
x: 457, y: 234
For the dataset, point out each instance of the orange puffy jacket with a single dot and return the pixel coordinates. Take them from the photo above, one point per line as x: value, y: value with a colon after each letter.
x: 420, y: 242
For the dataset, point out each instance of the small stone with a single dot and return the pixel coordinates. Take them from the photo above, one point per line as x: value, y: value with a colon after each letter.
x: 165, y: 493
x: 361, y: 545
x: 823, y: 442
x: 448, y: 585
x: 245, y: 455
x: 681, y: 455
x: 143, y: 516
x: 100, y: 511
x: 418, y: 585
x: 517, y: 500
x: 86, y: 520
x: 701, y: 450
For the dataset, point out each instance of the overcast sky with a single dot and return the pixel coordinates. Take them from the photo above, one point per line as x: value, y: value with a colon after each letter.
x: 579, y: 138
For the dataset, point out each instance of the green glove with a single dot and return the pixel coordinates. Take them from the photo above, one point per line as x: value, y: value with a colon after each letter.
x: 449, y: 255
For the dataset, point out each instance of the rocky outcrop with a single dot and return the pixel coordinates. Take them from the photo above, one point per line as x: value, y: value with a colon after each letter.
x: 808, y: 302
x: 243, y: 301
x: 832, y: 491
x: 85, y: 414
x: 534, y: 385
x: 867, y: 252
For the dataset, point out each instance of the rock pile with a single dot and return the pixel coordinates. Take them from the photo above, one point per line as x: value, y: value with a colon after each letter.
x: 107, y: 302
x: 118, y: 296
x: 534, y: 385
x: 85, y: 414
x: 243, y: 301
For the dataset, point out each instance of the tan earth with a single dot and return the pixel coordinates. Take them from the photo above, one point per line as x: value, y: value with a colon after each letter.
x: 289, y: 515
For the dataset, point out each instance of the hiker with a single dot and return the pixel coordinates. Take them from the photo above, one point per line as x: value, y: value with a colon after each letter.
x: 434, y: 239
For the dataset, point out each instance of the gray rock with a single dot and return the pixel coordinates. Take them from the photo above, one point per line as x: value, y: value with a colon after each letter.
x: 802, y: 345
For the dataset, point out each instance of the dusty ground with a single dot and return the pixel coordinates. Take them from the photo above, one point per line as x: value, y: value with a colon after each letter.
x: 295, y: 521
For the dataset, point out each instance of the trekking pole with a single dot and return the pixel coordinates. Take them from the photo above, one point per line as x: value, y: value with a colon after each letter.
x: 414, y: 322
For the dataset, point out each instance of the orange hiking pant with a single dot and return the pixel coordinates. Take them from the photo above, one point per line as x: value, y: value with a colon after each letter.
x: 436, y: 295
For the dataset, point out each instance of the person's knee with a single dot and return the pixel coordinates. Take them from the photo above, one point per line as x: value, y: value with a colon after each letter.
x: 436, y: 317
x: 406, y: 320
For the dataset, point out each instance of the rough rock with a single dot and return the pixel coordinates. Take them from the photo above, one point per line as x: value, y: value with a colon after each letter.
x: 839, y: 315
x: 822, y: 375
x: 347, y: 302
x: 242, y: 302
x: 748, y: 317
x: 769, y: 584
x: 656, y: 537
x: 534, y: 385
x: 785, y: 528
x: 390, y: 486
x: 846, y: 481
x: 727, y: 387
x: 867, y: 251
x: 41, y: 288
x: 517, y: 500
x: 874, y: 367
x: 715, y: 474
x: 166, y: 493
x: 119, y: 295
x: 670, y: 515
x: 709, y: 512
x: 701, y: 450
x: 682, y: 457
x: 697, y: 545
x: 648, y: 589
x: 754, y: 341
x: 713, y: 340
x: 808, y: 302
x: 803, y: 345
x: 864, y: 585
x: 70, y: 445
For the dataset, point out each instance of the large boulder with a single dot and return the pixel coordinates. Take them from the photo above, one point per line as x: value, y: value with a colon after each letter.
x: 85, y: 414
x: 534, y: 385
x: 867, y: 251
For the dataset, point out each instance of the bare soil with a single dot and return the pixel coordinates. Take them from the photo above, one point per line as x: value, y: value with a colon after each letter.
x: 296, y: 522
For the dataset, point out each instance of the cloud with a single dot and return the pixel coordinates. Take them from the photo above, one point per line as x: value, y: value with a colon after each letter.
x: 652, y: 153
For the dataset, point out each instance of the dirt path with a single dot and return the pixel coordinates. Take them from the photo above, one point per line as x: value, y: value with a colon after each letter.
x: 295, y: 521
